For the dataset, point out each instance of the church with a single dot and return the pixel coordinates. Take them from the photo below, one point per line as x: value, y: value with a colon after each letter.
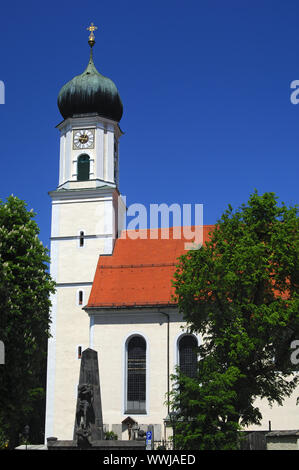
x: 114, y: 291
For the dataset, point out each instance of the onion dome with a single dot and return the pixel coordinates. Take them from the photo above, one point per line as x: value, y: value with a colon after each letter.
x: 90, y: 92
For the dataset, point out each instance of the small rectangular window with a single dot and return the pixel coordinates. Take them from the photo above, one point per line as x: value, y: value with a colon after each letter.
x: 79, y: 352
x: 80, y: 297
x: 81, y: 238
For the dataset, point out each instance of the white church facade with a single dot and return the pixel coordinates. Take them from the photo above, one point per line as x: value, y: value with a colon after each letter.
x: 114, y: 293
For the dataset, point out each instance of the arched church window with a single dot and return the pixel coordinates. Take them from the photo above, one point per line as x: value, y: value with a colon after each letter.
x: 136, y: 375
x: 188, y: 355
x: 83, y: 167
x: 80, y: 297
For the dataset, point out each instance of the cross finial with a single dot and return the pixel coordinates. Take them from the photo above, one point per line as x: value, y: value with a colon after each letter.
x: 91, y: 39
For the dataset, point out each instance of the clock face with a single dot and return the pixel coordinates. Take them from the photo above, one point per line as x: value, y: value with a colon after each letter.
x: 84, y: 139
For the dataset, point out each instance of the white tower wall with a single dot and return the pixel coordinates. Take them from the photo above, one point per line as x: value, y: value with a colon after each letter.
x: 90, y: 207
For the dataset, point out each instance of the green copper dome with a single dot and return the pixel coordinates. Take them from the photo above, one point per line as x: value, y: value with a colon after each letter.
x: 90, y: 92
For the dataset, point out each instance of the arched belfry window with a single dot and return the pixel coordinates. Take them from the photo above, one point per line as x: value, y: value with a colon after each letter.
x: 136, y: 376
x: 188, y: 355
x: 83, y: 167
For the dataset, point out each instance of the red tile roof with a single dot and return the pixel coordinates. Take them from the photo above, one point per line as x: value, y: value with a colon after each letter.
x: 139, y: 271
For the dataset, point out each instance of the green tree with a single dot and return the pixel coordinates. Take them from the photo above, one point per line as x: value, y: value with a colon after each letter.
x: 25, y: 287
x: 240, y: 292
x: 206, y: 419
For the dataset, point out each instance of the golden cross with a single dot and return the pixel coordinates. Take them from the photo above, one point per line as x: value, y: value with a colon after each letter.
x: 92, y: 28
x: 91, y: 39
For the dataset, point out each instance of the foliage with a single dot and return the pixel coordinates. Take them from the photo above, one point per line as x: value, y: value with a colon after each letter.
x: 3, y: 437
x: 240, y: 292
x: 111, y: 436
x: 205, y: 415
x: 25, y: 286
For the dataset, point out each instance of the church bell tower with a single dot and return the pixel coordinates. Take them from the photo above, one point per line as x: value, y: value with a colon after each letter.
x: 86, y: 209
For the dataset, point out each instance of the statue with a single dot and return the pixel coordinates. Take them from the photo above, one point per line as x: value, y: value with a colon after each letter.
x: 84, y: 414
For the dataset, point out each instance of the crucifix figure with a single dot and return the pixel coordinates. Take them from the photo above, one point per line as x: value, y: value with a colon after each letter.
x: 91, y: 39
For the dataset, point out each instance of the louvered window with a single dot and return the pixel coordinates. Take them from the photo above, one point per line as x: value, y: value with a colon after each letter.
x: 83, y: 168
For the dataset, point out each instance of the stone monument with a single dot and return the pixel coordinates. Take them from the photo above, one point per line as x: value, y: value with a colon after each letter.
x: 88, y: 427
x: 88, y: 421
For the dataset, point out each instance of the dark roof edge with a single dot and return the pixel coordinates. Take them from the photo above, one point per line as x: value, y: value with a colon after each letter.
x: 107, y: 307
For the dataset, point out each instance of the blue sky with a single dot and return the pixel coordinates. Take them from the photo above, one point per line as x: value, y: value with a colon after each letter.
x: 205, y: 87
